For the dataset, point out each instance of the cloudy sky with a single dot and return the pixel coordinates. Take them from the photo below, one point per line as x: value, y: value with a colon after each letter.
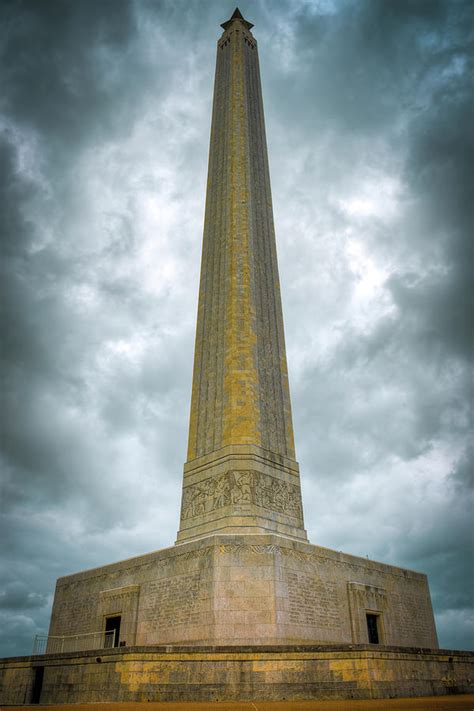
x: 104, y: 130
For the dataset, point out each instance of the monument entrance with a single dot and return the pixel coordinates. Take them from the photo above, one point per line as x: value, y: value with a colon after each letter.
x: 372, y: 628
x: 112, y: 624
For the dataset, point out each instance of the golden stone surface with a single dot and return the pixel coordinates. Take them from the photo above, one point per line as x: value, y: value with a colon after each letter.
x: 240, y: 394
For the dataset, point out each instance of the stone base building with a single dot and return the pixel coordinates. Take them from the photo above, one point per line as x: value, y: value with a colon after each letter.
x: 243, y: 590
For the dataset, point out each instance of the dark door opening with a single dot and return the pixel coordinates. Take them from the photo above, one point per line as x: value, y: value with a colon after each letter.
x: 372, y: 628
x: 37, y: 685
x: 112, y: 624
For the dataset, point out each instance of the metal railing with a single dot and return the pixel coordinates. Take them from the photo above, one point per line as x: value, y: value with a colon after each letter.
x: 48, y: 644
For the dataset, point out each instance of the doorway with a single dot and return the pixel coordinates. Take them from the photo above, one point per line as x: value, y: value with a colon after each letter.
x: 37, y: 685
x: 112, y: 624
x: 373, y: 628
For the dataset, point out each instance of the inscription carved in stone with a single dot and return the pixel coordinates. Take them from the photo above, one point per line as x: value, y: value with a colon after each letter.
x: 313, y: 601
x: 410, y: 617
x: 172, y: 602
x: 241, y: 487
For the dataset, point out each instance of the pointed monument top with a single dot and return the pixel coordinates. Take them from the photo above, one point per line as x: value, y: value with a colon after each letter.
x: 237, y: 16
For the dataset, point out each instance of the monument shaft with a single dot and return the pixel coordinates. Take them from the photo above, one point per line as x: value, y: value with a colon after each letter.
x: 240, y: 388
x: 240, y: 408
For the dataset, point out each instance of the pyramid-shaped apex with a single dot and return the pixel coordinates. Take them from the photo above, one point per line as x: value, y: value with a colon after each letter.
x: 237, y: 16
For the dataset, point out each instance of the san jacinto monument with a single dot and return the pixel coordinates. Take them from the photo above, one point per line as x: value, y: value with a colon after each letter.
x: 242, y: 605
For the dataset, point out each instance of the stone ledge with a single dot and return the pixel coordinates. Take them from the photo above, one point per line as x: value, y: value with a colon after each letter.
x: 194, y: 650
x: 241, y: 451
x: 210, y: 540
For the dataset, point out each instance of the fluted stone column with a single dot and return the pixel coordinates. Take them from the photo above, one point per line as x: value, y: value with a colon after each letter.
x: 241, y: 475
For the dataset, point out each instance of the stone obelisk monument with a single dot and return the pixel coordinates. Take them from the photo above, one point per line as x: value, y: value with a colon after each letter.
x: 241, y: 475
x: 241, y: 571
x: 303, y: 621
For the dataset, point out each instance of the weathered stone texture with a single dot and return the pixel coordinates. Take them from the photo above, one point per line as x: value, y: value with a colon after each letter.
x: 240, y: 389
x: 241, y: 489
x: 239, y: 589
x: 240, y: 395
x: 242, y: 673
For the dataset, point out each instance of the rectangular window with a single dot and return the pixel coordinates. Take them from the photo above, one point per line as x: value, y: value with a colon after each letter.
x: 112, y: 624
x: 373, y: 628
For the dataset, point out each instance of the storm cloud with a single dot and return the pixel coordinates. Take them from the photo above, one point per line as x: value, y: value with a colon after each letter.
x: 104, y: 128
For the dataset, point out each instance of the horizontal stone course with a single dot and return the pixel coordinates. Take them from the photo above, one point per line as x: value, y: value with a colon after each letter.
x: 180, y: 673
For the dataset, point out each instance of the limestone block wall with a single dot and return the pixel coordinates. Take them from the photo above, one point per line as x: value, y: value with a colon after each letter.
x: 236, y: 673
x: 325, y: 596
x: 248, y: 590
x: 314, y: 594
x: 172, y: 590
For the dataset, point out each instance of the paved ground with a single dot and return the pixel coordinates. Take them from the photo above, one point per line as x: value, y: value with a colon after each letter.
x: 425, y: 703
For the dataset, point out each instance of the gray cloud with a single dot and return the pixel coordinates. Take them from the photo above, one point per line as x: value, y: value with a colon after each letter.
x: 105, y: 113
x: 16, y: 596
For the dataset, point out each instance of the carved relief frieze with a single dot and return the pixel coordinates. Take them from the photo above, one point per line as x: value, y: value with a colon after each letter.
x: 189, y: 555
x: 241, y: 487
x: 246, y: 549
x: 302, y: 556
